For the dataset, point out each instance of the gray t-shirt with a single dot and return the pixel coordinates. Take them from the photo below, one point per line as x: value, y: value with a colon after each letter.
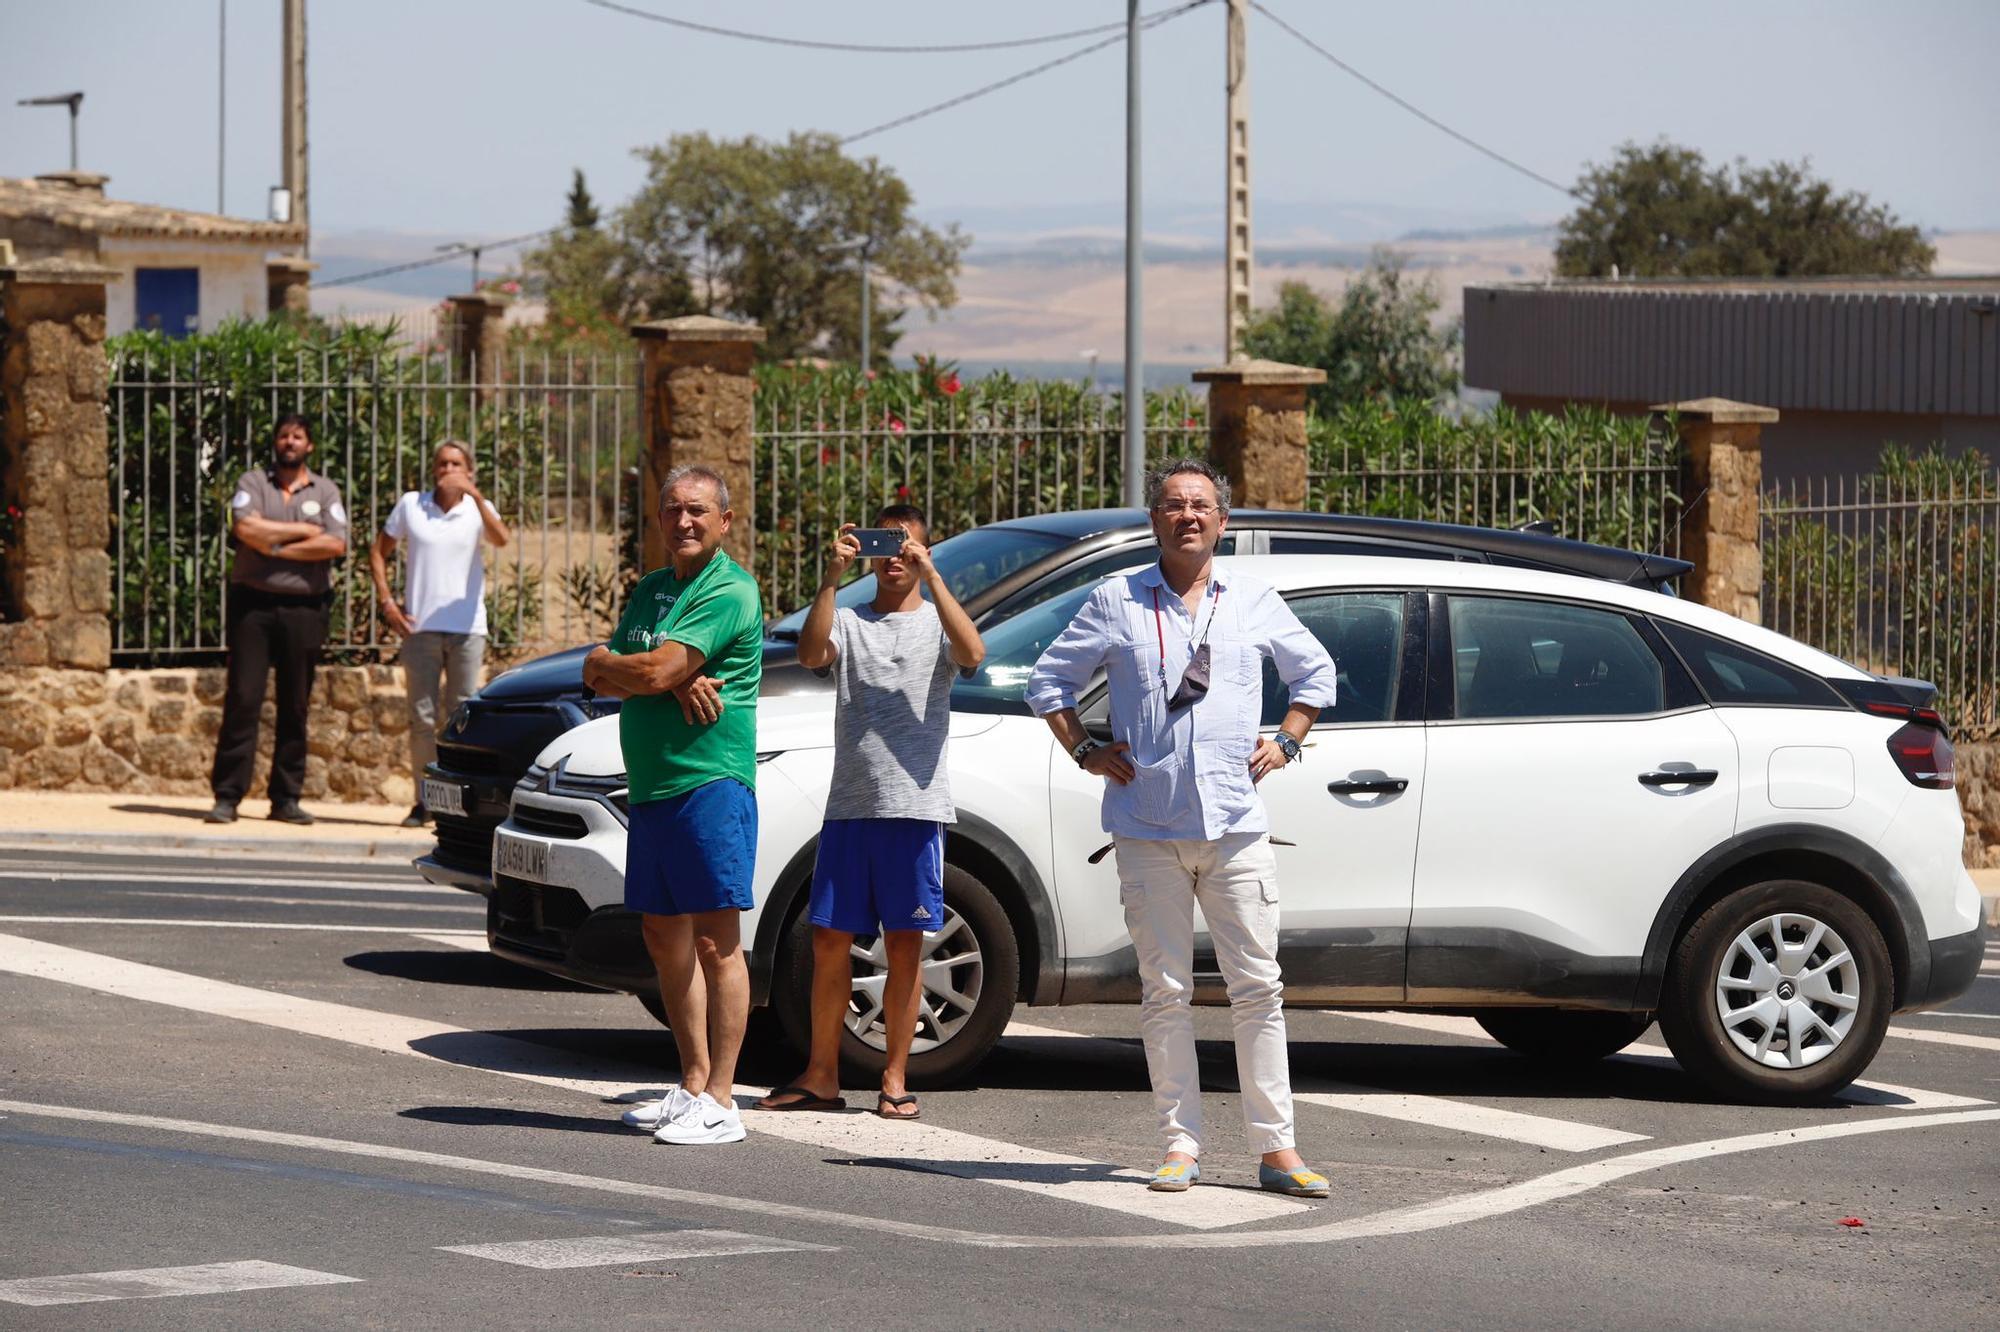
x: 893, y: 675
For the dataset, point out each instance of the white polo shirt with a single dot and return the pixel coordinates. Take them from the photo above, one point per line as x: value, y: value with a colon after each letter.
x: 445, y: 586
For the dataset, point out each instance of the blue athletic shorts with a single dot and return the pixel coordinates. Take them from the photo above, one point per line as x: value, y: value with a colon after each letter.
x: 879, y: 874
x: 692, y: 852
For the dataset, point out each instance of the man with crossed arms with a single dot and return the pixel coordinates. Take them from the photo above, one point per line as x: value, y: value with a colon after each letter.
x: 1184, y: 645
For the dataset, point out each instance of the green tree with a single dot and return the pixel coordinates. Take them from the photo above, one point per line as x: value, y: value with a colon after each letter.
x: 576, y: 272
x: 1380, y: 341
x: 1660, y: 210
x: 764, y: 231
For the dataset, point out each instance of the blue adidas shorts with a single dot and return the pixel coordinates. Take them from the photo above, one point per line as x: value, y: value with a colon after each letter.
x: 692, y: 852
x: 879, y: 874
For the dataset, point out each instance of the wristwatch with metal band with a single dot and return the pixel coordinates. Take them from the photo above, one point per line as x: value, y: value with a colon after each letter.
x: 1083, y: 750
x: 1284, y: 741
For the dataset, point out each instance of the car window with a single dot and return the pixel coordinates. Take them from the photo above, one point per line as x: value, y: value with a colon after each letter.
x: 1363, y: 633
x: 1305, y: 543
x: 1012, y: 648
x: 1734, y: 675
x: 971, y: 562
x: 1518, y: 658
x: 1131, y: 555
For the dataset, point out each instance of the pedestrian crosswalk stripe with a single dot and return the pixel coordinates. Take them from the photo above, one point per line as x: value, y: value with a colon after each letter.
x: 452, y: 907
x: 1563, y: 1135
x: 173, y: 921
x: 231, y: 881
x: 644, y: 1247
x: 941, y: 1150
x: 472, y: 943
x: 148, y: 1283
x: 1869, y: 1092
x: 1965, y: 1039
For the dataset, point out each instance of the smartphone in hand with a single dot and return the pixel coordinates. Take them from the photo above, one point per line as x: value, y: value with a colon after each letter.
x: 879, y: 542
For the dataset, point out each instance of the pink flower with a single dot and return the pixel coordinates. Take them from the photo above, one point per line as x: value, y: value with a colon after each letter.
x: 871, y: 376
x: 511, y: 288
x: 948, y: 384
x: 895, y: 426
x: 902, y: 492
x: 826, y: 455
x: 1191, y: 422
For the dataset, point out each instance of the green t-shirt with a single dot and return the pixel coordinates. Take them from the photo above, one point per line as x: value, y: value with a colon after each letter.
x: 717, y: 613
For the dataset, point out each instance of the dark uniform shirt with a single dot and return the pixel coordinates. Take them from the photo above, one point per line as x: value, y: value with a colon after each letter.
x: 316, y: 502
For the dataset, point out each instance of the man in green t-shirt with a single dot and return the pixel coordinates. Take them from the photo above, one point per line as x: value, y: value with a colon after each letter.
x: 687, y: 659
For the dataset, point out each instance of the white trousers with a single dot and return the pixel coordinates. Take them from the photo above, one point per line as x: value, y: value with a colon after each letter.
x: 1235, y: 880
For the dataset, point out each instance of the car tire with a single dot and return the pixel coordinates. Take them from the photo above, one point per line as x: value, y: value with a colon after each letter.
x: 970, y: 1036
x: 1804, y: 955
x: 1563, y: 1036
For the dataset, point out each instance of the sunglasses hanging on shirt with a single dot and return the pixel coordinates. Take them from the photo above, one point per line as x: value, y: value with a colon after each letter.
x: 1194, y: 681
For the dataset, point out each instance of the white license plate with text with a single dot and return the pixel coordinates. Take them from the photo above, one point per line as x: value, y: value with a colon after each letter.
x: 444, y: 797
x: 519, y: 858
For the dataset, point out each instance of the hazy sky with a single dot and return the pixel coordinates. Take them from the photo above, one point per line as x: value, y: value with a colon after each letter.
x: 465, y: 118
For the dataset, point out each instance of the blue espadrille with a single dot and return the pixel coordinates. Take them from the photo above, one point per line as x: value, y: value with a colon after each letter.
x: 1175, y: 1176
x: 1298, y: 1182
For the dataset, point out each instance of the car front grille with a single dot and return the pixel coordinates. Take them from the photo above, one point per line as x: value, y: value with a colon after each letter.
x: 466, y: 761
x: 465, y: 844
x: 535, y: 917
x: 550, y: 822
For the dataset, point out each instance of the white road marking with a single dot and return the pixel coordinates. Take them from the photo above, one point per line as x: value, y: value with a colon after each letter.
x: 1562, y: 1135
x: 1970, y: 1042
x: 1946, y: 1013
x: 149, y: 1283
x: 223, y: 881
x: 226, y: 924
x: 1453, y: 1211
x: 649, y: 1247
x: 1867, y: 1092
x: 941, y: 1150
x: 472, y: 943
x: 245, y: 899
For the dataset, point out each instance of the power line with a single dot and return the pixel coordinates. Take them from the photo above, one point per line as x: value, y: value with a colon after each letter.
x: 1419, y: 113
x: 458, y: 253
x: 1164, y: 16
x: 810, y: 45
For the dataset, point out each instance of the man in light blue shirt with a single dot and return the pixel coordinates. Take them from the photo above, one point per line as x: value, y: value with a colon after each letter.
x: 1184, y: 645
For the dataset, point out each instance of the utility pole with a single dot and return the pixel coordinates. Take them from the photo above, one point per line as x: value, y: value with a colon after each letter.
x: 1236, y: 183
x: 1135, y: 369
x: 294, y: 173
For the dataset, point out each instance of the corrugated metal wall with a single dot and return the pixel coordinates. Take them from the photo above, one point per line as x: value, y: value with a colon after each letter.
x: 1802, y: 350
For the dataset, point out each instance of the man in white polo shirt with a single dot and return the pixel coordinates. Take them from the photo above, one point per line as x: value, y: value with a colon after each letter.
x: 442, y: 618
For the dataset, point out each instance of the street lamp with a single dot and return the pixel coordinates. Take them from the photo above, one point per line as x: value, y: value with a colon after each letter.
x: 864, y: 245
x: 72, y: 100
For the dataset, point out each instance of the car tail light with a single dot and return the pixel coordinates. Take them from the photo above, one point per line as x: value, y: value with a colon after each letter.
x: 1923, y: 752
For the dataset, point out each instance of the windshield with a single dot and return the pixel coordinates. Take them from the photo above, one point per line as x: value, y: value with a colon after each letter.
x: 971, y: 562
x: 1012, y: 648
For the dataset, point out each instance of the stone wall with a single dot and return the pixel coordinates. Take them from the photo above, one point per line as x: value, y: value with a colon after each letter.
x: 153, y: 732
x: 1979, y: 797
x: 55, y: 575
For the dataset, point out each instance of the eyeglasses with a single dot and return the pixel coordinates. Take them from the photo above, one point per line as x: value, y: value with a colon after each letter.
x: 1175, y: 508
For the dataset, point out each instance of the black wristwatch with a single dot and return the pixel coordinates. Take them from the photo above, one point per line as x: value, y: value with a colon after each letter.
x: 1083, y: 749
x: 1284, y: 741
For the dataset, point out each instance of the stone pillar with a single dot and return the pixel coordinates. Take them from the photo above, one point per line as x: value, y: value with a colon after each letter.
x: 55, y: 486
x: 478, y: 339
x: 695, y: 407
x: 288, y: 282
x: 1722, y: 473
x: 1257, y: 430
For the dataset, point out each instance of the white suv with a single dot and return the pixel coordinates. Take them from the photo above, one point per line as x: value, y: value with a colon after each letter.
x: 1564, y: 806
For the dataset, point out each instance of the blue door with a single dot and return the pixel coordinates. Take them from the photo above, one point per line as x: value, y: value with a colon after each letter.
x: 169, y: 299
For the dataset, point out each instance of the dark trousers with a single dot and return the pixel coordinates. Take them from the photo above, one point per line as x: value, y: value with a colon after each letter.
x: 265, y: 630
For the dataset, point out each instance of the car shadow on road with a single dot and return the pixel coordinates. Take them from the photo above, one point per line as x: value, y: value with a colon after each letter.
x: 198, y: 815
x: 459, y: 967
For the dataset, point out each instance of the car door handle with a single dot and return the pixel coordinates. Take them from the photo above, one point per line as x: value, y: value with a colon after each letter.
x: 1373, y: 786
x: 1682, y: 777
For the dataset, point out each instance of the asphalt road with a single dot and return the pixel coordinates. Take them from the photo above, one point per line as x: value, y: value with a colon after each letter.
x: 255, y: 1094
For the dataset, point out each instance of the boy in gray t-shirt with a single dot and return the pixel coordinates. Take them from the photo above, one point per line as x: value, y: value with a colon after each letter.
x: 881, y: 852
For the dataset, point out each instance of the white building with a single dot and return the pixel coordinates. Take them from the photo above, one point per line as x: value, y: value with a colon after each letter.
x: 182, y: 271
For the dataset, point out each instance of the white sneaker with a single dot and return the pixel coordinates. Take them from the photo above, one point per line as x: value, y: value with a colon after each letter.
x: 649, y: 1115
x: 701, y: 1121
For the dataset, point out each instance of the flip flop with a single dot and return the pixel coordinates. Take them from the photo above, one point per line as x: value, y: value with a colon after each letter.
x: 883, y: 1098
x: 807, y: 1100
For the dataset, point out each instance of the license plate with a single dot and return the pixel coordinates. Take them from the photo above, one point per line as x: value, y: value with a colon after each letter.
x: 444, y: 797
x: 520, y: 859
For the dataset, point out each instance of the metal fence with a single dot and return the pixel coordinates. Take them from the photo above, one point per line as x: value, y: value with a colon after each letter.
x: 1591, y: 477
x: 824, y: 457
x: 1899, y: 574
x: 556, y: 445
